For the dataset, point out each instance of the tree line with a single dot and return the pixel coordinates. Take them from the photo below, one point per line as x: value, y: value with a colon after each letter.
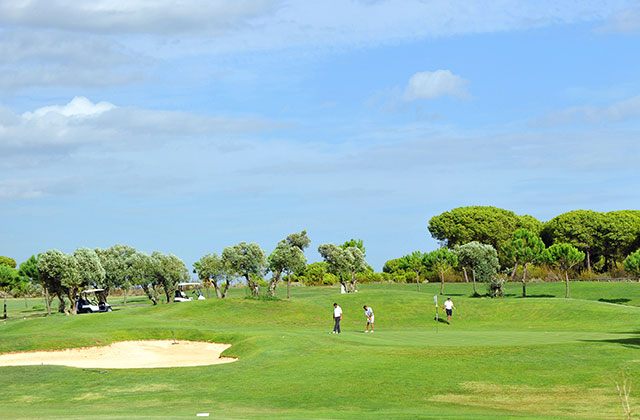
x: 482, y: 243
x: 64, y: 276
x: 486, y: 241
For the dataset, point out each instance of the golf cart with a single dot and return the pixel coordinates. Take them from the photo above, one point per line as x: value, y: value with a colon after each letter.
x: 181, y: 292
x: 87, y: 306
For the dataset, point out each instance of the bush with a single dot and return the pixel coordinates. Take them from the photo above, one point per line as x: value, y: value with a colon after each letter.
x: 496, y: 286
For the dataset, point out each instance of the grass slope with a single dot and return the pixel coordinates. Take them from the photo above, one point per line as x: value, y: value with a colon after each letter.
x: 535, y: 357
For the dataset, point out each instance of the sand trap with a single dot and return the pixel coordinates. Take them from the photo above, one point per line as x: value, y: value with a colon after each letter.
x: 127, y: 355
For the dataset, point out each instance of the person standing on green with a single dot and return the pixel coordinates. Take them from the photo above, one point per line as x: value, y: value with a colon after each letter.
x: 448, y: 307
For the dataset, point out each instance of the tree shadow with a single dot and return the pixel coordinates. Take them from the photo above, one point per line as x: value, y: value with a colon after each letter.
x: 536, y: 296
x: 453, y: 294
x: 629, y: 342
x: 616, y: 300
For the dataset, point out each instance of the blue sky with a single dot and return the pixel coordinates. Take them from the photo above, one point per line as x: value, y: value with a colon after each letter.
x: 189, y: 126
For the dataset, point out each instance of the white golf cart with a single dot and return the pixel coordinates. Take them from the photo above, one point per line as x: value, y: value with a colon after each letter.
x: 89, y: 306
x: 183, y: 288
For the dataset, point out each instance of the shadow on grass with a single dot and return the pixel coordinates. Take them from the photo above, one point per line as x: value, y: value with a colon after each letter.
x: 632, y: 343
x: 536, y: 296
x: 629, y: 342
x: 453, y: 294
x: 616, y: 300
x: 441, y: 320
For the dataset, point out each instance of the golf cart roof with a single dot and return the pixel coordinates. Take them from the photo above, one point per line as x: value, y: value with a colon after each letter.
x: 190, y: 284
x: 92, y: 290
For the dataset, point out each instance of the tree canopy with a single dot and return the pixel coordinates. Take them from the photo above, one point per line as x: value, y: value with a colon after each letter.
x: 344, y: 263
x: 441, y: 261
x: 480, y: 259
x: 484, y: 224
x: 564, y: 257
x: 246, y: 260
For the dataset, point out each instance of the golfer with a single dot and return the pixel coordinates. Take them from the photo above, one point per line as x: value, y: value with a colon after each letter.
x: 368, y: 313
x: 448, y: 307
x: 337, y: 317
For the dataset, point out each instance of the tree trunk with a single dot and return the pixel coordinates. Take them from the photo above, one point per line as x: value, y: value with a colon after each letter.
x: 72, y: 295
x: 47, y: 300
x: 588, y: 260
x: 418, y: 279
x: 354, y: 283
x: 62, y: 305
x: 224, y: 291
x: 4, y: 315
x: 150, y: 293
x: 344, y: 286
x: 515, y: 270
x: 524, y: 281
x: 272, y: 288
x: 273, y: 284
x: 217, y: 289
x: 288, y: 288
x: 168, y: 295
x: 441, y: 283
x: 473, y: 273
x: 566, y: 284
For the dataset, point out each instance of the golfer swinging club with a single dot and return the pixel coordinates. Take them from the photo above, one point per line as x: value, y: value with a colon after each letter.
x: 368, y: 313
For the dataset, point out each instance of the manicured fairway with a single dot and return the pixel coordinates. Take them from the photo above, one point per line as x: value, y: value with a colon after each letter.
x: 534, y: 357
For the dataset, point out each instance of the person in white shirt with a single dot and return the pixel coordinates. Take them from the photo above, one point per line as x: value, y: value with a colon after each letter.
x: 368, y: 313
x: 337, y: 317
x: 448, y: 307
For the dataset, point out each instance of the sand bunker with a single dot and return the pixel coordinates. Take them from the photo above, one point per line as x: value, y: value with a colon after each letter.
x: 127, y: 355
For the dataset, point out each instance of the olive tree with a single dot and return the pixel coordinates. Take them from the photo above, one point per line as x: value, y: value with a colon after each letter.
x: 169, y: 270
x: 142, y: 272
x: 89, y: 266
x: 441, y: 261
x: 563, y: 257
x: 115, y: 260
x: 524, y: 248
x: 246, y: 260
x: 212, y: 269
x: 344, y: 263
x: 51, y: 268
x: 480, y: 259
x: 286, y: 259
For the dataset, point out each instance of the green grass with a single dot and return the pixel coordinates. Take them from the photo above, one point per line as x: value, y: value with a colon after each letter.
x: 535, y: 357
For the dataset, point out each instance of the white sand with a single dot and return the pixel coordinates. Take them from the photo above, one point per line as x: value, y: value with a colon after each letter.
x: 126, y: 355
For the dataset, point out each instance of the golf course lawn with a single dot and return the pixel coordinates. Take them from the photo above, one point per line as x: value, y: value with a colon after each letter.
x: 543, y: 356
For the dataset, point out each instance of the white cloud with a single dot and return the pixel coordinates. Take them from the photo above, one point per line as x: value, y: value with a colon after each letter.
x: 78, y: 107
x: 626, y: 109
x: 82, y: 122
x: 433, y: 84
